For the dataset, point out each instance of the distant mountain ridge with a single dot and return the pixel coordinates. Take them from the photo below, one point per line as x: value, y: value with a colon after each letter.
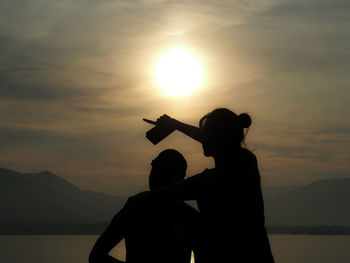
x: 46, y: 197
x: 38, y: 199
x: 324, y: 202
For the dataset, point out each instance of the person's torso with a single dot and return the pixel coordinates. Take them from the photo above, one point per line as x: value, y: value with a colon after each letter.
x: 232, y: 210
x: 161, y: 232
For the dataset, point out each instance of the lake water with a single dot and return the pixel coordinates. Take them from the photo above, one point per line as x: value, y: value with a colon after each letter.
x: 75, y: 249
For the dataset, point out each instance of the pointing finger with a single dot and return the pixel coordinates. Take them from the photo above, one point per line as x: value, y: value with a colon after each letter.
x: 149, y: 121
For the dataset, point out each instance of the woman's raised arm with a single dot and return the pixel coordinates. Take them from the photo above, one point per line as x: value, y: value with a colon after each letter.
x: 189, y: 130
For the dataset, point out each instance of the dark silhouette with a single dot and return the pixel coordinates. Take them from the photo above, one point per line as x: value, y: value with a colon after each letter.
x: 159, y: 230
x: 158, y: 133
x: 229, y: 196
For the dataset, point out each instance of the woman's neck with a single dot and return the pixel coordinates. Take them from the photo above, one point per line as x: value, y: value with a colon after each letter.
x: 224, y: 159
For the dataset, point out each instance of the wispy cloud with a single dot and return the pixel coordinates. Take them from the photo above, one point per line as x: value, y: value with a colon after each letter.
x: 76, y: 80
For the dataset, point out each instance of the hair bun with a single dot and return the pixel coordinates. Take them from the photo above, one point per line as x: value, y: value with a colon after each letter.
x: 244, y: 120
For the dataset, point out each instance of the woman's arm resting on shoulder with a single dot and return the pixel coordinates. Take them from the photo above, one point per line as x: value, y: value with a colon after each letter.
x: 188, y: 189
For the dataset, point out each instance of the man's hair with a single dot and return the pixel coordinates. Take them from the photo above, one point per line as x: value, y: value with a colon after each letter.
x: 167, y: 168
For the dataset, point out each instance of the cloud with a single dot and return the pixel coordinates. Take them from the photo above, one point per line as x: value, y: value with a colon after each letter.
x: 76, y: 80
x: 335, y: 130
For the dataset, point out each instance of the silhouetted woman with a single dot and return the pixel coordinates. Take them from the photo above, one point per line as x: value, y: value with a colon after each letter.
x: 228, y: 196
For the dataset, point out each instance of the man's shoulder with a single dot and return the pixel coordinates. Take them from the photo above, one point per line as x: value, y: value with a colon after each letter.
x: 134, y: 205
x: 139, y: 200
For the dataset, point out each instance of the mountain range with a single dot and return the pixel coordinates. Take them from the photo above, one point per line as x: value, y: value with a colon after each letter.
x: 323, y: 202
x: 45, y: 198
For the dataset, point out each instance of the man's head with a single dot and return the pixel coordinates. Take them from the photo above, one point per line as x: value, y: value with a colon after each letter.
x: 168, y: 168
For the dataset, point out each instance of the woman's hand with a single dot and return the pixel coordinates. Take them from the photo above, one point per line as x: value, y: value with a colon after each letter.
x: 167, y: 121
x: 164, y: 120
x: 187, y: 129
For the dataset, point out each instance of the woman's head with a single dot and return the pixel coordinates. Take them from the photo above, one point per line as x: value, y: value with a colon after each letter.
x: 223, y: 131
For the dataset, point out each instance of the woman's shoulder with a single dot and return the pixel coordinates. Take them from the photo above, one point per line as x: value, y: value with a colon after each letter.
x: 246, y: 154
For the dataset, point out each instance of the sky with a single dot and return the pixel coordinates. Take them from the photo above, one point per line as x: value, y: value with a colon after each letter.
x: 77, y: 77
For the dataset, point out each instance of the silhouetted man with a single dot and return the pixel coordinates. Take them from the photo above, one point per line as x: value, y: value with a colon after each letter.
x: 155, y: 231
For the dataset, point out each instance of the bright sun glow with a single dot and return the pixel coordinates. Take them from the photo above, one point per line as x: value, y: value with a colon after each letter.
x: 178, y: 73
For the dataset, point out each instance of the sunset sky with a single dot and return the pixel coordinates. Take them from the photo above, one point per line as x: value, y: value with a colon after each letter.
x: 77, y: 77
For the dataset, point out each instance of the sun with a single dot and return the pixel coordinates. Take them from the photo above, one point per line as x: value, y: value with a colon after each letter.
x: 178, y: 73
